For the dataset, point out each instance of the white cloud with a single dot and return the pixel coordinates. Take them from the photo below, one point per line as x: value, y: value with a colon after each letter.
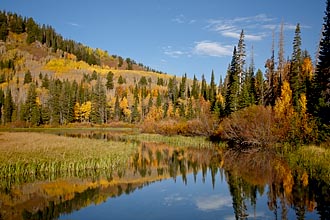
x: 212, y: 49
x: 173, y: 53
x: 253, y: 26
x: 74, y: 24
x: 214, y: 202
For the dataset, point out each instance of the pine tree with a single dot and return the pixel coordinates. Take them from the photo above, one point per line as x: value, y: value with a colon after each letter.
x: 241, y: 54
x: 31, y: 109
x: 195, y: 88
x: 8, y: 107
x: 212, y: 91
x: 295, y: 70
x: 204, y: 91
x: 27, y: 77
x: 231, y: 104
x: 182, y: 87
x: 259, y: 88
x: 320, y: 94
x: 109, y: 83
x: 98, y: 114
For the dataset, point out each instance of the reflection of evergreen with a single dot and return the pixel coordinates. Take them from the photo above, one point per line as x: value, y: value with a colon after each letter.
x: 237, y: 192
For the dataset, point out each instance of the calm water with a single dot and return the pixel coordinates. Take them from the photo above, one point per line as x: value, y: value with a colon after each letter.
x: 163, y: 182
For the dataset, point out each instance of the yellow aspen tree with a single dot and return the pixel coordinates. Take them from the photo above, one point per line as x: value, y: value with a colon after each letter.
x: 124, y: 106
x: 77, y: 112
x: 284, y: 112
x: 283, y: 105
x: 86, y: 109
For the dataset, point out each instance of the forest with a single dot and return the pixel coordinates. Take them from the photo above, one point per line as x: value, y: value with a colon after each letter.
x: 288, y: 103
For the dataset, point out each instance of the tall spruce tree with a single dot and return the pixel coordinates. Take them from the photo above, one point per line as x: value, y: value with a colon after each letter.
x: 8, y: 107
x: 241, y: 54
x: 295, y: 70
x: 98, y: 114
x: 109, y: 83
x: 232, y: 86
x: 320, y: 94
x: 31, y: 109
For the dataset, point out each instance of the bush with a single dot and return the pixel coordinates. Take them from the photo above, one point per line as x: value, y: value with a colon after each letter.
x: 251, y: 126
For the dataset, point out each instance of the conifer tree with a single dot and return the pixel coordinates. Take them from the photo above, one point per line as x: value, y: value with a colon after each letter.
x: 8, y: 107
x: 231, y: 104
x: 109, y: 83
x: 195, y: 88
x: 27, y: 77
x: 295, y: 69
x: 212, y: 91
x: 31, y: 109
x: 259, y: 88
x: 204, y: 92
x: 241, y: 54
x: 98, y: 114
x: 320, y: 93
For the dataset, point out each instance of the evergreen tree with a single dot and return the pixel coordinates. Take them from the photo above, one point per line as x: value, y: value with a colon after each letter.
x: 233, y: 86
x: 212, y: 91
x: 204, y: 91
x: 259, y: 88
x: 320, y: 94
x: 195, y: 88
x: 27, y: 77
x: 8, y: 107
x: 182, y: 87
x: 241, y: 54
x: 295, y: 69
x: 31, y: 109
x: 45, y: 82
x: 109, y: 83
x: 98, y: 114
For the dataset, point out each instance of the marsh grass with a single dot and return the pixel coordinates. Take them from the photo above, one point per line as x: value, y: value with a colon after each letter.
x: 29, y: 153
x: 175, y: 141
x: 313, y: 159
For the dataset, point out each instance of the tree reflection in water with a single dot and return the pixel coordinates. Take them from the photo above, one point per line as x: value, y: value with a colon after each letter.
x: 248, y: 175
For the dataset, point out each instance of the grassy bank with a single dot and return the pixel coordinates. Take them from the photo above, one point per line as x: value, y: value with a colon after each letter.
x: 29, y: 153
x: 312, y: 159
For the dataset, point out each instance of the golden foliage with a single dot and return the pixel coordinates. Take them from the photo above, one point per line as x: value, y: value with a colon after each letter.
x: 307, y: 68
x: 82, y: 112
x: 283, y: 105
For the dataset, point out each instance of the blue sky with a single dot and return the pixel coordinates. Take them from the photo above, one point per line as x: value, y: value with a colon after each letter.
x: 179, y: 36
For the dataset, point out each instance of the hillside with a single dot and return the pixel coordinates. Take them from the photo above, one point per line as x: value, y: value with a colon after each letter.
x: 47, y: 80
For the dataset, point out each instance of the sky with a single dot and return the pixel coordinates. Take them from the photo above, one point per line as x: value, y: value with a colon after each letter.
x: 180, y: 36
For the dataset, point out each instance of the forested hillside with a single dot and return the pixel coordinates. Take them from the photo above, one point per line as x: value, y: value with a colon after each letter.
x: 49, y: 81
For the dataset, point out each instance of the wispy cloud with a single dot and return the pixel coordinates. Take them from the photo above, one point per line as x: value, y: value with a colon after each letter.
x: 252, y: 26
x: 181, y: 19
x: 73, y: 24
x: 212, y: 49
x: 169, y: 51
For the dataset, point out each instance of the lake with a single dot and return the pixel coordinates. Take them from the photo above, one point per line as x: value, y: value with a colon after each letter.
x: 166, y: 182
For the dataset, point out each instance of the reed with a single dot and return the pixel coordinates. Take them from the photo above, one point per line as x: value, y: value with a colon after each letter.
x: 175, y: 140
x: 30, y: 154
x: 312, y: 159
